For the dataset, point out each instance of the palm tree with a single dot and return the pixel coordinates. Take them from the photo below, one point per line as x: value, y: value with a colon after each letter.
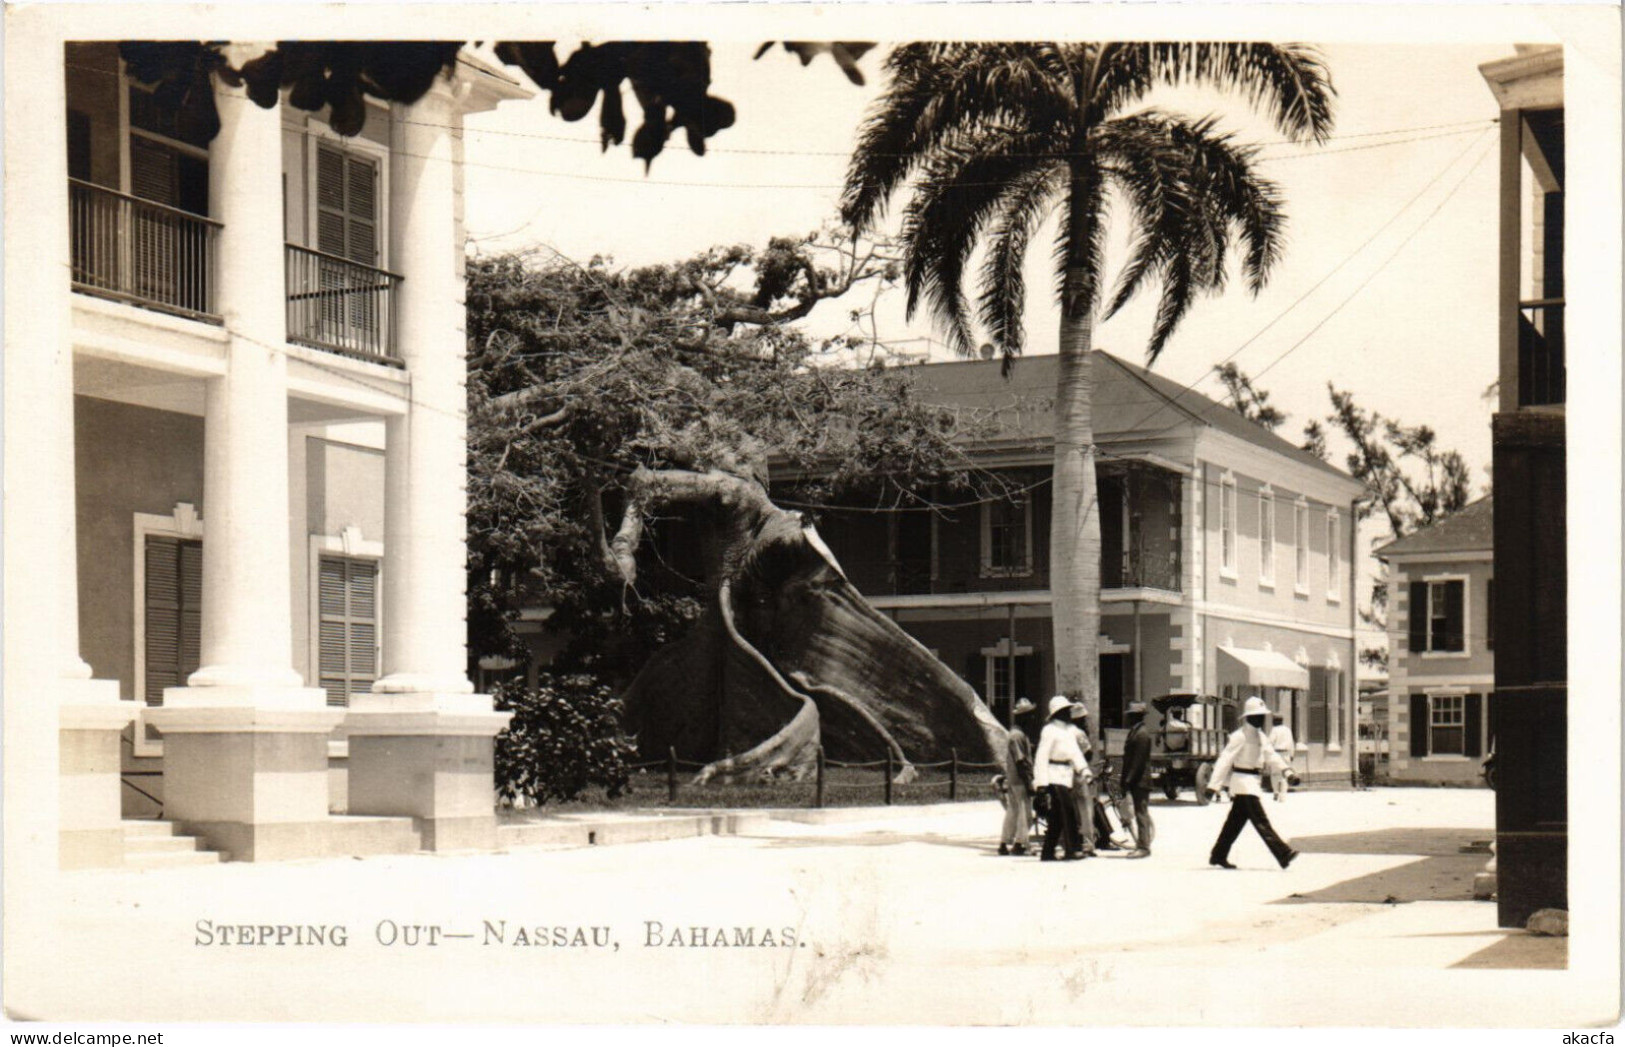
x: 995, y: 137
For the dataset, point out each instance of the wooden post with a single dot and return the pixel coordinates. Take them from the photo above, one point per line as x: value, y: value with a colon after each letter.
x: 888, y: 771
x: 818, y: 782
x: 953, y: 774
x: 671, y: 774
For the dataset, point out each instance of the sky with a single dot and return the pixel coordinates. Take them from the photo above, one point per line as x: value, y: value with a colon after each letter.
x: 1387, y: 287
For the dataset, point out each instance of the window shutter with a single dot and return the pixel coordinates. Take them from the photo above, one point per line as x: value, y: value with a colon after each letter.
x: 361, y: 199
x: 1317, y: 705
x: 173, y: 618
x: 1455, y: 627
x: 1489, y: 615
x: 1419, y: 725
x: 1418, y: 617
x: 1473, y: 720
x: 348, y: 631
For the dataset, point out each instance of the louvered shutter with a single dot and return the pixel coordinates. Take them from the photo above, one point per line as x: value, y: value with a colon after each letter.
x: 1489, y: 615
x: 348, y: 631
x: 155, y: 176
x: 1455, y: 626
x: 1419, y: 725
x: 347, y: 227
x: 1473, y: 721
x: 1418, y: 617
x: 1318, y: 683
x: 173, y: 618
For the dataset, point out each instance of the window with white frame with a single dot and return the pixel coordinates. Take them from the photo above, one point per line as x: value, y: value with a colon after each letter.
x: 1227, y: 525
x: 1007, y: 537
x: 1300, y: 546
x: 1438, y: 616
x: 1334, y: 561
x: 1266, y: 537
x: 1447, y: 723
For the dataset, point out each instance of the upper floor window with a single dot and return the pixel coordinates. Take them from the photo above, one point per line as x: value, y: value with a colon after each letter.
x: 347, y: 199
x: 1300, y: 546
x: 1007, y: 537
x: 168, y: 163
x: 1266, y: 537
x: 1227, y: 525
x: 1334, y: 559
x: 1438, y: 616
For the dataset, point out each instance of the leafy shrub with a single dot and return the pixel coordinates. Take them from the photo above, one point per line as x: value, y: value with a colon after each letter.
x: 565, y: 737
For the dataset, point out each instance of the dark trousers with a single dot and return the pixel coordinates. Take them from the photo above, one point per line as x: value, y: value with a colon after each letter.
x: 1062, y: 824
x: 1244, y: 809
x: 1144, y: 829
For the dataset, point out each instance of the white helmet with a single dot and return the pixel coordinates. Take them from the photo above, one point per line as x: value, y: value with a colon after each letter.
x: 1255, y: 707
x: 1058, y: 703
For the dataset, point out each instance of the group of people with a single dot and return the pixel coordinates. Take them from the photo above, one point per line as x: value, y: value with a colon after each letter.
x: 1058, y: 781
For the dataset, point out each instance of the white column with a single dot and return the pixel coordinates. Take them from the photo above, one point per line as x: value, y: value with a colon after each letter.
x: 57, y: 806
x: 247, y: 636
x: 421, y: 741
x: 425, y: 475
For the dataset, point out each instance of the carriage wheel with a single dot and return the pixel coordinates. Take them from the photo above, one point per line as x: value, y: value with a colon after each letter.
x: 1203, y: 774
x: 1170, y: 787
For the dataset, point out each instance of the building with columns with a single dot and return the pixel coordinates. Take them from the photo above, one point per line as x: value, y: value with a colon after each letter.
x: 1228, y: 555
x: 242, y: 370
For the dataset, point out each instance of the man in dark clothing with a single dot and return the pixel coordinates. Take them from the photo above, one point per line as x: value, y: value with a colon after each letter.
x: 1137, y: 778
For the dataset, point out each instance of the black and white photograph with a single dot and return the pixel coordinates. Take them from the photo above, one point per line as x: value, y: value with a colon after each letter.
x: 1024, y: 515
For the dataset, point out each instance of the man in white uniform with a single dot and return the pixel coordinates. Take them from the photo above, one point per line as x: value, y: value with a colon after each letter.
x: 1056, y: 766
x: 1247, y: 755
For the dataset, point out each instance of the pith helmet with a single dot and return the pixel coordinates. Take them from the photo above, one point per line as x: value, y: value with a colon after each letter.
x: 1255, y: 707
x: 1023, y: 706
x: 1059, y: 703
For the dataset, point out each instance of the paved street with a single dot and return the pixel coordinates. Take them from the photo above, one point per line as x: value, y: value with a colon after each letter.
x: 909, y: 916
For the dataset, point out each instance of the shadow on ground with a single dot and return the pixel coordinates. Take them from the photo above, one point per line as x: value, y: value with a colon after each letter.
x: 1521, y: 951
x: 1441, y: 873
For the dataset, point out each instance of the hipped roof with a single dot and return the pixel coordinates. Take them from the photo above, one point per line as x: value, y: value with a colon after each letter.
x: 1130, y: 402
x: 1470, y: 529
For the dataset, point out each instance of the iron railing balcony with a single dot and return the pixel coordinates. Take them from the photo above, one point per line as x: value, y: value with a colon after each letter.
x: 1541, y: 374
x: 1133, y: 569
x: 341, y: 306
x: 148, y: 254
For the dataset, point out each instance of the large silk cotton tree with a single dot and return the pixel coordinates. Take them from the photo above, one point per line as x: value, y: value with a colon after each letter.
x: 988, y: 140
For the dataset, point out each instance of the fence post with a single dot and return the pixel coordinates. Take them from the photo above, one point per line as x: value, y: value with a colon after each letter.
x: 818, y: 782
x: 671, y: 774
x: 953, y: 774
x: 888, y: 777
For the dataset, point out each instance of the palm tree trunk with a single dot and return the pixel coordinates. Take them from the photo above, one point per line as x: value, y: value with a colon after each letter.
x: 1075, y: 517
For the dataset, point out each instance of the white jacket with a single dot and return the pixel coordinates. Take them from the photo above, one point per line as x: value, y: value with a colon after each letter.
x: 1058, y: 758
x: 1245, y: 756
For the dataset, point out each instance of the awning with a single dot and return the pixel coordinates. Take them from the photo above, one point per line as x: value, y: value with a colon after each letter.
x: 1261, y: 668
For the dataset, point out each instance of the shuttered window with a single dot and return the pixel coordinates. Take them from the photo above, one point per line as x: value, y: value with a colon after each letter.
x: 346, y: 205
x: 174, y: 619
x: 1446, y: 627
x: 349, y: 626
x: 1320, y: 683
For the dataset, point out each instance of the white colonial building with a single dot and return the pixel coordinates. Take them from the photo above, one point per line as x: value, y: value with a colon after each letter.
x: 235, y: 471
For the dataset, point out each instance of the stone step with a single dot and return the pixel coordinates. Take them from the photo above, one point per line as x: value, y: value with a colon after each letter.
x: 146, y: 828
x: 169, y: 859
x: 161, y: 844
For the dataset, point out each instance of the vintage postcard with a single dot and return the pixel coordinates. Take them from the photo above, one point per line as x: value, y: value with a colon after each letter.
x: 725, y: 515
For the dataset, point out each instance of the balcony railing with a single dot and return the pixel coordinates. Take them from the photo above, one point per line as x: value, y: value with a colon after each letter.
x: 341, y: 306
x: 134, y: 250
x: 1132, y: 569
x: 1540, y: 352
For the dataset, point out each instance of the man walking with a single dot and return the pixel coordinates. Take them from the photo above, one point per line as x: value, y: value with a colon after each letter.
x: 1058, y: 763
x: 1246, y: 756
x: 1137, y: 778
x: 1019, y: 784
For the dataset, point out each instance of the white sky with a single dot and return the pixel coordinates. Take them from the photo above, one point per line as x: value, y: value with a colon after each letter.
x: 1411, y: 177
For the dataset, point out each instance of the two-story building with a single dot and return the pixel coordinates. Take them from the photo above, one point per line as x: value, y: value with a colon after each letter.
x: 1227, y: 564
x: 1441, y: 648
x: 1529, y: 444
x: 251, y: 402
